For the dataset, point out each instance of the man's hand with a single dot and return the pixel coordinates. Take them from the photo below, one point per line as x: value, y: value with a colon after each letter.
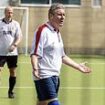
x: 83, y: 68
x: 12, y: 48
x: 36, y: 73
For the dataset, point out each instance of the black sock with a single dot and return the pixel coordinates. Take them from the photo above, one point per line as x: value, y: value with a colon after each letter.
x: 12, y: 82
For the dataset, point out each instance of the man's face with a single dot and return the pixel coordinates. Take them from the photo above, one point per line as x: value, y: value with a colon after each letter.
x: 58, y: 17
x: 9, y: 13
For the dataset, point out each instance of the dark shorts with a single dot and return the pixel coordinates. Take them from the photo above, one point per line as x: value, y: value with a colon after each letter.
x: 10, y: 60
x: 47, y: 88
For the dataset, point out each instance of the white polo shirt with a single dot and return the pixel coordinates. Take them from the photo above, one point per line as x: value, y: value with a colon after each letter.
x: 48, y: 45
x: 8, y: 33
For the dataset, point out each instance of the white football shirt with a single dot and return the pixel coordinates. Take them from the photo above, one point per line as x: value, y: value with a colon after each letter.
x: 8, y: 33
x: 48, y: 45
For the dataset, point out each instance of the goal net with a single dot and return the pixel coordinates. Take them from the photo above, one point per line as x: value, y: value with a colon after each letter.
x: 20, y: 15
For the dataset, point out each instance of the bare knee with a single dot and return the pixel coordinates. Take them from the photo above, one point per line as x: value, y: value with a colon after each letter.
x: 46, y: 102
x: 42, y: 103
x: 12, y: 72
x: 0, y: 69
x: 53, y: 102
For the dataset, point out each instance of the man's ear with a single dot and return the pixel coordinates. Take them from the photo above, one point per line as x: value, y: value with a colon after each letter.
x: 51, y: 16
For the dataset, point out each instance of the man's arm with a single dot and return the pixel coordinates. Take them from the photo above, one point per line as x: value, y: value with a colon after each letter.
x: 34, y: 62
x: 15, y: 43
x: 81, y: 67
x: 17, y: 40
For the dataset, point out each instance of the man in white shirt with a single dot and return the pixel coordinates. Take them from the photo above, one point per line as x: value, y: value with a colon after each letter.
x: 47, y: 56
x: 10, y: 37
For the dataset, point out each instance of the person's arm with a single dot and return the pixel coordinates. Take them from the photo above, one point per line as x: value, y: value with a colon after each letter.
x: 17, y: 40
x: 34, y: 62
x: 81, y: 67
x: 15, y: 43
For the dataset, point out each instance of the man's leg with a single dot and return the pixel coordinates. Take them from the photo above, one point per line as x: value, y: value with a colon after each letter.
x: 0, y: 75
x: 2, y: 62
x: 49, y: 102
x: 12, y: 82
x: 12, y: 65
x: 41, y: 103
x: 54, y: 102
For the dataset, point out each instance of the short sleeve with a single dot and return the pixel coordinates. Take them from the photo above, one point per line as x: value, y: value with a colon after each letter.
x: 38, y: 43
x: 18, y: 30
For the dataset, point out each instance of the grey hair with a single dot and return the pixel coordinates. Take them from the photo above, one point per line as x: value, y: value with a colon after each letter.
x: 54, y: 7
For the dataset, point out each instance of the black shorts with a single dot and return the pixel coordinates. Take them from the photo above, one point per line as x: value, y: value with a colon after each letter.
x: 10, y: 60
x: 47, y: 88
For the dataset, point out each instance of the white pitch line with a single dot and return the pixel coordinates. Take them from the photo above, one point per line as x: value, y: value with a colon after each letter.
x: 68, y: 88
x: 18, y: 87
x: 102, y: 63
x: 25, y: 62
x: 84, y: 88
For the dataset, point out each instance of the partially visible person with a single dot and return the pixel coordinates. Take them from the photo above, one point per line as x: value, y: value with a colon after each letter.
x: 10, y: 37
x: 47, y: 56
